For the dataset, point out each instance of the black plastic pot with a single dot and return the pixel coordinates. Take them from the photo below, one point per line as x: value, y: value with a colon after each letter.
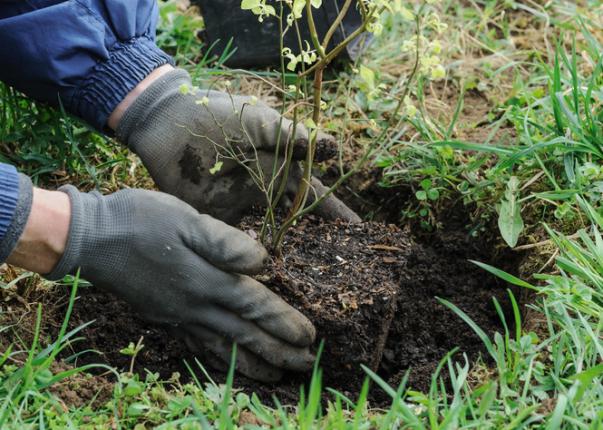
x: 257, y: 44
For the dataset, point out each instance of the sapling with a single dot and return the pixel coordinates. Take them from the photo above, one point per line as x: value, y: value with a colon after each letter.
x: 309, y: 65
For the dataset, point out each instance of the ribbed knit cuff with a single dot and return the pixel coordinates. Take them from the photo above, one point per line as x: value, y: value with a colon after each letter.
x: 16, y: 195
x: 99, y: 233
x: 77, y: 233
x: 166, y: 85
x: 110, y: 82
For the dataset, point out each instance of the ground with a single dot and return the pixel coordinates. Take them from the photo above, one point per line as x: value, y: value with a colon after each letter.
x: 397, y: 293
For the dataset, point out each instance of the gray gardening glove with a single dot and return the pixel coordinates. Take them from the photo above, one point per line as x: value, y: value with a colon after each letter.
x: 189, y: 272
x: 178, y: 132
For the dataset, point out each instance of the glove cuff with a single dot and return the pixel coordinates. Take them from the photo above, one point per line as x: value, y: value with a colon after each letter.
x: 99, y: 235
x: 147, y: 108
x: 77, y: 231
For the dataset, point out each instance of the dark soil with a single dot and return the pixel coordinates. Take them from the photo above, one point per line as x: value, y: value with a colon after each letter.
x: 370, y: 291
x: 424, y: 329
x: 344, y: 279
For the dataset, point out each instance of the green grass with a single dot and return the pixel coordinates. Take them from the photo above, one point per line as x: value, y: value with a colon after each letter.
x: 546, y: 131
x: 543, y: 127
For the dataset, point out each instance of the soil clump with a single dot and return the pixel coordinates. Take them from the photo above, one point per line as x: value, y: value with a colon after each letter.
x: 344, y: 279
x: 81, y: 389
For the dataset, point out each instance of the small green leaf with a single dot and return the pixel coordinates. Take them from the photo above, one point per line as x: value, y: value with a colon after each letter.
x: 510, y: 222
x: 298, y: 7
x: 250, y: 4
x: 184, y: 89
x: 217, y: 167
x: 433, y: 194
x: 133, y: 388
x: 368, y: 76
x: 586, y: 378
x: 310, y: 124
x: 43, y: 377
x: 136, y: 409
x: 130, y: 350
x: 421, y: 195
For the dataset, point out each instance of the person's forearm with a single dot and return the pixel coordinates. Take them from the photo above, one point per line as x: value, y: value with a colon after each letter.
x: 45, y: 236
x: 85, y: 57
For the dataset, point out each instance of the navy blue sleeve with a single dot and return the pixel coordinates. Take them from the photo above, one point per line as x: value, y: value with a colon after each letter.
x: 16, y: 195
x: 9, y: 193
x: 89, y: 54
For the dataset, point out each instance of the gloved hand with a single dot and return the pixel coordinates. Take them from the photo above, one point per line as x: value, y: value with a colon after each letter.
x: 178, y: 134
x: 189, y: 272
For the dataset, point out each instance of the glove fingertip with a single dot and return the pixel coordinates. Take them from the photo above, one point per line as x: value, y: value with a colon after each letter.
x: 253, y: 263
x: 300, y: 148
x: 305, y: 333
x: 217, y: 354
x: 326, y: 147
x: 303, y: 361
x: 332, y: 208
x: 229, y: 248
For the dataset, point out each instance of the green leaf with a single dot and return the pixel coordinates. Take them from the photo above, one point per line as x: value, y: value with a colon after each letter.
x: 136, y: 409
x: 557, y: 195
x: 250, y: 4
x: 217, y: 167
x: 421, y: 195
x: 133, y: 388
x: 504, y: 275
x: 433, y: 194
x: 43, y: 376
x: 297, y: 8
x: 310, y: 124
x: 130, y: 350
x: 368, y: 76
x: 510, y: 223
x: 586, y: 378
x: 426, y: 184
x: 468, y: 146
x: 556, y: 419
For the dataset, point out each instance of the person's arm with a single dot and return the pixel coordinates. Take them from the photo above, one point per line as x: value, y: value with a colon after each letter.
x: 44, y: 237
x: 87, y: 55
x: 99, y: 58
x: 34, y: 223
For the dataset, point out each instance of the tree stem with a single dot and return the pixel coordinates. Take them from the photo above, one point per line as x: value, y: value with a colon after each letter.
x: 304, y: 187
